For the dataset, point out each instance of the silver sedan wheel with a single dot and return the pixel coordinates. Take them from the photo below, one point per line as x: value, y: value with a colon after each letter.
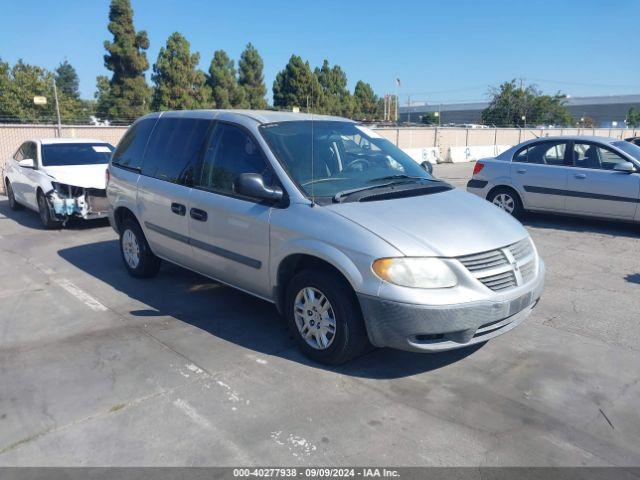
x: 315, y: 318
x: 505, y: 202
x: 130, y: 249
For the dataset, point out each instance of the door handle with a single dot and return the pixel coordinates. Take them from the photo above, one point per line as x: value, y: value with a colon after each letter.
x: 580, y: 176
x: 521, y: 170
x: 178, y: 209
x: 198, y: 214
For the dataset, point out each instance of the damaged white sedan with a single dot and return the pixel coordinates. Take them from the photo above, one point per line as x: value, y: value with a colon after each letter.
x: 59, y: 178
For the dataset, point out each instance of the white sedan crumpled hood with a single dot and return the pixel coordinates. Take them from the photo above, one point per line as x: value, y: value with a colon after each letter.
x: 86, y: 176
x: 447, y: 224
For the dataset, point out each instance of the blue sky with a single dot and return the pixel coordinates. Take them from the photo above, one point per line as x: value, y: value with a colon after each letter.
x: 442, y: 50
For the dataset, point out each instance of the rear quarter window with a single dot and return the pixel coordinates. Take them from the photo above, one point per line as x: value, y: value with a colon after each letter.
x: 130, y: 151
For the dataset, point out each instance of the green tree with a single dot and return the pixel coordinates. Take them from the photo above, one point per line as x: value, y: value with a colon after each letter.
x: 297, y: 86
x: 367, y: 104
x: 633, y: 118
x: 72, y: 109
x: 224, y: 84
x: 67, y: 80
x: 179, y: 83
x: 510, y: 102
x: 23, y: 82
x: 128, y: 93
x: 336, y: 97
x: 251, y: 78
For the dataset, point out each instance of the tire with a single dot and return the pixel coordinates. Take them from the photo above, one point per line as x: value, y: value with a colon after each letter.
x: 349, y: 336
x: 44, y: 211
x: 137, y: 257
x: 13, y: 203
x: 508, y: 200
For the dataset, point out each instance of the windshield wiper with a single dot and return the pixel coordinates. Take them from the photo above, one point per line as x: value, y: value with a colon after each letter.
x: 400, y: 176
x: 338, y: 197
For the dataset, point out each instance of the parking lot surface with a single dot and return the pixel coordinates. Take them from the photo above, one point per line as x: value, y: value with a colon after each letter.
x: 98, y: 368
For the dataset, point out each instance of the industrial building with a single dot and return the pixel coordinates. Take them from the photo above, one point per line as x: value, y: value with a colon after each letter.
x: 605, y: 111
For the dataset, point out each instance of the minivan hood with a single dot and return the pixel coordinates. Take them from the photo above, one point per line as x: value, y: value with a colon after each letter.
x: 87, y: 176
x: 446, y: 224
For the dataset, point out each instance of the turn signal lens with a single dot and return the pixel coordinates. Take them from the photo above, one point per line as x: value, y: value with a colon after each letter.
x: 477, y: 168
x: 415, y: 272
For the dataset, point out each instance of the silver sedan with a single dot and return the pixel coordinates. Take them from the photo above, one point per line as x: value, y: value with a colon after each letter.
x: 576, y: 175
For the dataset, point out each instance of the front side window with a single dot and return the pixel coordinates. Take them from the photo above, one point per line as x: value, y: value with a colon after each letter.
x: 19, y: 155
x: 231, y: 152
x: 589, y: 155
x: 546, y: 153
x: 629, y: 148
x: 342, y: 156
x: 62, y: 154
x: 174, y: 149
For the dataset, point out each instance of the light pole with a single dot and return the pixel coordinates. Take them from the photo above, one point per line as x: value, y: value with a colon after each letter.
x: 55, y: 94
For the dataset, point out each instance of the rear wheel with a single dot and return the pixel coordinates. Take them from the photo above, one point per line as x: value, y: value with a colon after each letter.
x: 44, y: 210
x: 508, y: 200
x: 136, y: 254
x: 325, y: 318
x: 13, y: 204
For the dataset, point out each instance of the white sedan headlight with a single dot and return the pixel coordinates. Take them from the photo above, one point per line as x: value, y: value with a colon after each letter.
x: 415, y: 272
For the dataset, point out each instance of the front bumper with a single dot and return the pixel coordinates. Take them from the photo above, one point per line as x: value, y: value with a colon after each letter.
x: 425, y: 328
x: 86, y: 203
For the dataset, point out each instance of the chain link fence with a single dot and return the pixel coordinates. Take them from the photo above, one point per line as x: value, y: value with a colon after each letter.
x: 439, y: 139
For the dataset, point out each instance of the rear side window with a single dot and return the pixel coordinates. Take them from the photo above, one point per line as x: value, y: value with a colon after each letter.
x: 174, y: 149
x: 131, y: 148
x: 546, y: 153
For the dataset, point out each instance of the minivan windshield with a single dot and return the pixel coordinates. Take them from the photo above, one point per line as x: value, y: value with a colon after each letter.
x: 63, y: 154
x: 343, y: 156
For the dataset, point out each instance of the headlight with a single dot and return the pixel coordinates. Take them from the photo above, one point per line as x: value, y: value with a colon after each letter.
x: 415, y: 272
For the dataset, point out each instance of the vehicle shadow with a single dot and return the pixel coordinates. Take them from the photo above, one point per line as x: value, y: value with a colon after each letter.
x: 581, y: 224
x: 29, y: 218
x: 233, y: 315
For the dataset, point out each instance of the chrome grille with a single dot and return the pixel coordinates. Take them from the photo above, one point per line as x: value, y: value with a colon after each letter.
x: 484, y: 261
x: 503, y: 268
x: 500, y: 281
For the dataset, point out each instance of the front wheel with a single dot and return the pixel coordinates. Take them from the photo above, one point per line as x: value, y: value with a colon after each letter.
x: 325, y: 318
x: 508, y: 200
x: 13, y: 204
x: 136, y: 254
x: 44, y: 210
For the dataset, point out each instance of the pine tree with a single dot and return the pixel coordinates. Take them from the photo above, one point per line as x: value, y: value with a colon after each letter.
x: 336, y: 97
x: 224, y: 85
x: 67, y: 80
x: 297, y: 86
x: 366, y: 102
x: 179, y: 84
x: 251, y: 78
x: 128, y: 93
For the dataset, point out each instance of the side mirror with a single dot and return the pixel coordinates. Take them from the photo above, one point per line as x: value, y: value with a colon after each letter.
x: 27, y: 163
x: 252, y: 185
x: 427, y: 166
x: 626, y: 167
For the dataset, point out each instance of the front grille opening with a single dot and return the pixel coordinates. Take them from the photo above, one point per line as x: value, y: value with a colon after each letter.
x: 493, y: 268
x: 430, y: 337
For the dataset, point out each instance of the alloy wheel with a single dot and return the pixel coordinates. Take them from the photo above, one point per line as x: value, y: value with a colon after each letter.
x: 315, y: 318
x: 130, y: 249
x: 505, y: 202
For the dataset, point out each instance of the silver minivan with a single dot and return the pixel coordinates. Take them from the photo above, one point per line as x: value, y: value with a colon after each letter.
x: 353, y: 241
